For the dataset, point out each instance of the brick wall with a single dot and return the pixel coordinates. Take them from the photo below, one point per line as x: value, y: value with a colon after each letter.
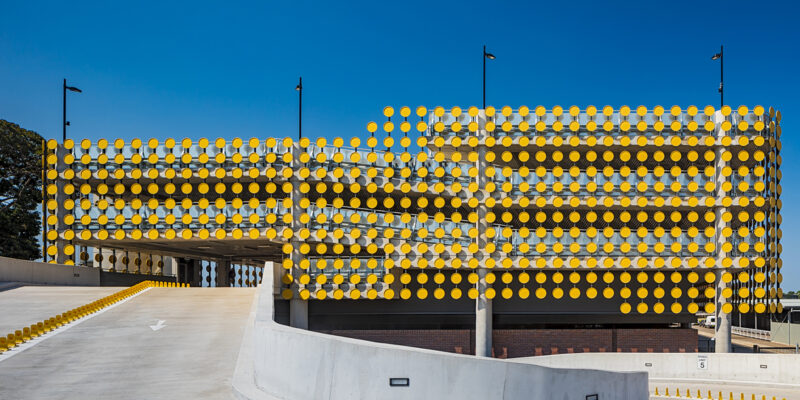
x: 537, y: 342
x: 657, y: 340
x: 450, y: 340
x: 533, y: 342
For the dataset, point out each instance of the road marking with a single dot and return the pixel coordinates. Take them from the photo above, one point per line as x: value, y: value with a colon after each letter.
x: 33, y: 342
x: 158, y: 325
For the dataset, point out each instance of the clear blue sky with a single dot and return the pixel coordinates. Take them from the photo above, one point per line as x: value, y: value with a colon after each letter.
x: 200, y: 69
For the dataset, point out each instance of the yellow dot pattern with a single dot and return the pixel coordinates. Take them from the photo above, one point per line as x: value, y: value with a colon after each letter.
x: 648, y: 207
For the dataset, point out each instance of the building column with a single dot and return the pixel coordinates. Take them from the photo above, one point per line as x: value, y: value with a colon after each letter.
x: 483, y: 305
x: 722, y: 329
x: 61, y: 212
x: 223, y: 272
x: 298, y: 308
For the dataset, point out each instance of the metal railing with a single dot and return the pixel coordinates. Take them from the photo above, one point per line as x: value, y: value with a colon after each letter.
x: 752, y: 333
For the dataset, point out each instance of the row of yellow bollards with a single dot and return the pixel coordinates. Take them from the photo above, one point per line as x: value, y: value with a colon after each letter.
x: 677, y: 394
x: 167, y: 284
x: 40, y: 328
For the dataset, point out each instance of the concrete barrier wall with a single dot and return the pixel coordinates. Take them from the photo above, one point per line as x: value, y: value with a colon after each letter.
x: 296, y: 364
x: 780, y: 332
x: 34, y: 272
x: 24, y: 271
x: 763, y: 368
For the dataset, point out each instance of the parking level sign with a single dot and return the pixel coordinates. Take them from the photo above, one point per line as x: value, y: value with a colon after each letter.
x: 702, y: 362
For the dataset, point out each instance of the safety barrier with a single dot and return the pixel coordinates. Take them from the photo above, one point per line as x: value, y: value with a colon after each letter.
x: 687, y: 394
x: 25, y: 334
x: 750, y: 332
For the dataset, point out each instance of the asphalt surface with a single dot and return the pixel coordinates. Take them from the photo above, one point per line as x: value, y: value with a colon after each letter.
x: 117, y: 355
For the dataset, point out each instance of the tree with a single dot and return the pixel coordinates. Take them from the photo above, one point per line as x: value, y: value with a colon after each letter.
x: 20, y: 191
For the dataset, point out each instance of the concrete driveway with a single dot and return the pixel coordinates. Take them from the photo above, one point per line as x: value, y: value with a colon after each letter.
x: 117, y: 355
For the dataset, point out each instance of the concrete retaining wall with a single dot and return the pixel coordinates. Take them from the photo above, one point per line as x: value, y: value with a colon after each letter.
x: 295, y: 364
x: 763, y: 368
x: 24, y: 271
x: 34, y: 272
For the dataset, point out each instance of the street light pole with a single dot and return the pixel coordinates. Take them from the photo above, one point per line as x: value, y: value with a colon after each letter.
x: 64, y: 121
x: 485, y: 56
x: 64, y: 114
x: 719, y: 56
x: 299, y: 88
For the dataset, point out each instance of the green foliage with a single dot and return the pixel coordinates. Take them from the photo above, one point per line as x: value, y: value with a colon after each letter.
x: 20, y: 191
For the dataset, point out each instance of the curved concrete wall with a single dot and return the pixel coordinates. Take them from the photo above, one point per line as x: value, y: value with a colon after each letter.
x: 762, y: 368
x: 295, y: 364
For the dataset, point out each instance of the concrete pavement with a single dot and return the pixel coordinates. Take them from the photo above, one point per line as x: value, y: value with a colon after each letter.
x: 28, y: 305
x: 779, y: 392
x: 192, y: 356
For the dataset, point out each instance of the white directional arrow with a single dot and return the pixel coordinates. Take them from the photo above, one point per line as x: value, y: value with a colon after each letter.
x: 158, y: 325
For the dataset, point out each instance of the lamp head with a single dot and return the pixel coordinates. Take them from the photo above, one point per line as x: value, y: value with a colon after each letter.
x: 73, y: 89
x: 716, y: 56
x: 490, y: 56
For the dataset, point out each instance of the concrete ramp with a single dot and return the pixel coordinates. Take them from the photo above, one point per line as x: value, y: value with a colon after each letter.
x: 126, y: 353
x: 26, y: 305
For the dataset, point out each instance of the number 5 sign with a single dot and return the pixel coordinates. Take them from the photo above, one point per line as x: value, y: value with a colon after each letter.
x: 702, y: 362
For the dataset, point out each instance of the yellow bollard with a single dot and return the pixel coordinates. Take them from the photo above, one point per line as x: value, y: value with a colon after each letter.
x: 11, y: 341
x: 40, y: 328
x: 666, y: 391
x: 656, y: 390
x: 18, y: 337
x: 3, y: 344
x: 26, y: 333
x: 677, y: 393
x: 34, y: 331
x: 688, y: 394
